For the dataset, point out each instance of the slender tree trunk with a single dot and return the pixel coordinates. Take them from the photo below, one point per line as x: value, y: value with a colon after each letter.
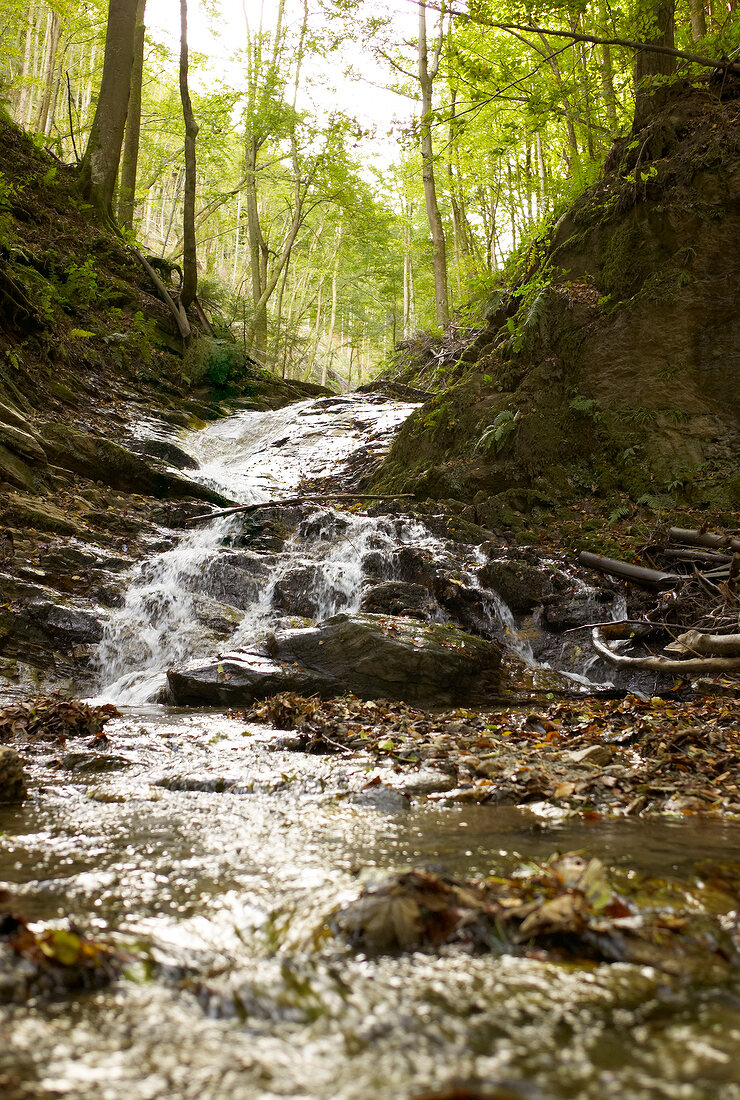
x: 658, y: 27
x: 51, y: 45
x: 542, y: 171
x: 427, y: 73
x: 606, y: 72
x: 189, y: 247
x: 698, y: 19
x: 325, y: 366
x: 130, y: 160
x: 25, y: 91
x: 99, y: 167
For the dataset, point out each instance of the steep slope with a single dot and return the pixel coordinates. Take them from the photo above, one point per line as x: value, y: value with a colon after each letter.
x: 613, y: 370
x: 87, y: 351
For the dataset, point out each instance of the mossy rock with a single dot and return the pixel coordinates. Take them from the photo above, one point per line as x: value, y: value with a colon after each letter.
x: 218, y: 363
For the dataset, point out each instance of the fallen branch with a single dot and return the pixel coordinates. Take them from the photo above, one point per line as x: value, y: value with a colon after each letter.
x: 706, y: 645
x: 176, y: 310
x: 652, y: 578
x: 290, y: 501
x: 689, y: 667
x: 702, y: 538
x: 707, y: 557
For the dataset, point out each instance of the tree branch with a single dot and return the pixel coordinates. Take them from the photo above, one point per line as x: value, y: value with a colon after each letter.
x: 575, y: 36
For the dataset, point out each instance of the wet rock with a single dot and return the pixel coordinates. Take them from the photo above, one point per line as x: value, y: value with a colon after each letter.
x: 372, y: 656
x: 382, y: 799
x: 100, y: 459
x: 415, y: 565
x: 234, y: 578
x: 587, y: 606
x: 519, y: 585
x: 94, y: 762
x: 375, y: 656
x: 166, y: 450
x: 400, y: 598
x: 297, y: 592
x: 12, y: 777
x: 219, y: 618
x: 426, y: 781
x: 466, y: 606
x: 238, y: 678
x: 65, y: 624
x: 40, y: 515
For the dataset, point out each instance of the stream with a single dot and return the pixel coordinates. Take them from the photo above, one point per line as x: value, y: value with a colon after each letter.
x: 217, y: 856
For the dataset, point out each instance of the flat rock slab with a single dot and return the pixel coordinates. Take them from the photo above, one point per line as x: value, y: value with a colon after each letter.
x: 372, y: 656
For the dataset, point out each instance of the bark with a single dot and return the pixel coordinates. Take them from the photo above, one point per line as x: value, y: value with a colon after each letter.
x: 698, y: 20
x: 427, y: 72
x: 51, y: 45
x: 99, y: 168
x: 130, y: 161
x: 690, y: 667
x: 653, y: 70
x: 706, y: 645
x: 189, y: 247
x: 703, y: 538
x: 290, y: 501
x: 653, y: 578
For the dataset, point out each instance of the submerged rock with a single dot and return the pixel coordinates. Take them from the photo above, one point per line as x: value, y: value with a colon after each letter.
x: 373, y: 656
x: 12, y: 777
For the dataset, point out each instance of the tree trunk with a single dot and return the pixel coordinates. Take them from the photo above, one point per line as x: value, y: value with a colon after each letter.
x: 99, y: 167
x: 653, y: 70
x: 53, y: 33
x: 698, y: 20
x: 427, y: 74
x: 189, y: 250
x: 130, y: 161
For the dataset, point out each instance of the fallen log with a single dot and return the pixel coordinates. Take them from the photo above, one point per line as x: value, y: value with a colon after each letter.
x: 290, y: 501
x: 706, y: 645
x: 706, y: 557
x: 702, y: 538
x: 689, y: 667
x: 639, y: 574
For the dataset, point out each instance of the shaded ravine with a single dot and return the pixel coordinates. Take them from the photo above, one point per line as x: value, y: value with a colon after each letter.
x: 218, y: 857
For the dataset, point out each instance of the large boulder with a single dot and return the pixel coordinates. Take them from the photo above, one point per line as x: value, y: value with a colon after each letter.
x: 373, y: 656
x: 237, y: 678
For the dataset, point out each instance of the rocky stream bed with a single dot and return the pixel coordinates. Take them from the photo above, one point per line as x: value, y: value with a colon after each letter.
x: 354, y: 809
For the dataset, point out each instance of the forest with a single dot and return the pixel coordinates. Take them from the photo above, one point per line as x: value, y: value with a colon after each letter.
x: 369, y: 550
x: 318, y: 254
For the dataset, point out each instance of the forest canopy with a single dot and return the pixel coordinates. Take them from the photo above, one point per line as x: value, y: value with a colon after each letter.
x: 364, y: 170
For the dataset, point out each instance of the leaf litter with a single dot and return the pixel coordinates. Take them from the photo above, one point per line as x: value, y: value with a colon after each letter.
x: 589, y: 756
x: 564, y: 909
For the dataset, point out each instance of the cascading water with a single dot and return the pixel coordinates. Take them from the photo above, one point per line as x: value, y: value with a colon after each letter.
x: 181, y: 605
x: 252, y: 457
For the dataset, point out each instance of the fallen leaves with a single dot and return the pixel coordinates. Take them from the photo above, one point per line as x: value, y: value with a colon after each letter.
x: 565, y: 908
x: 51, y: 962
x: 54, y: 718
x: 592, y: 756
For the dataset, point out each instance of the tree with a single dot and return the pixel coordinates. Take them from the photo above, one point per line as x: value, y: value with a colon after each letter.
x: 130, y: 161
x: 428, y: 68
x: 189, y: 248
x: 653, y: 70
x: 99, y: 167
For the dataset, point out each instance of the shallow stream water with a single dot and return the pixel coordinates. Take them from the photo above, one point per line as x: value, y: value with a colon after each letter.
x: 218, y: 858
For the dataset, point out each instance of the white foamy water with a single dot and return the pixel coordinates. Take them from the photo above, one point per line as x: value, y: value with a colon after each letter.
x: 251, y: 457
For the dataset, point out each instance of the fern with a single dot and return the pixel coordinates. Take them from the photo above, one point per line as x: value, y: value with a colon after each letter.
x: 650, y: 501
x: 621, y: 512
x: 499, y: 432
